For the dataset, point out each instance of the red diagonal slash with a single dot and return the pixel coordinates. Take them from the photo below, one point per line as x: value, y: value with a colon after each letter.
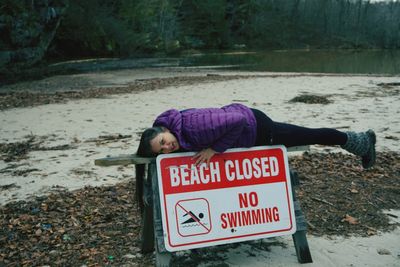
x: 193, y: 217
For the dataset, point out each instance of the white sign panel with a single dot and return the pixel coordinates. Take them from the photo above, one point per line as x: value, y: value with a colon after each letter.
x: 244, y: 194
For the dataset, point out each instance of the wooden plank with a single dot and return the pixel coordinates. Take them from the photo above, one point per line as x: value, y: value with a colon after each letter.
x: 133, y: 159
x: 147, y: 230
x: 163, y: 257
x: 299, y: 237
x: 123, y: 160
x: 298, y: 148
x: 302, y: 249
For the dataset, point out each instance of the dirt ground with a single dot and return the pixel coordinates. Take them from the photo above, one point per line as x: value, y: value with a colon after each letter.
x: 103, y: 223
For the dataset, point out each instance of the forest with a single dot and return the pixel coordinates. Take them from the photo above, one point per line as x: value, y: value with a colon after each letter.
x: 33, y: 30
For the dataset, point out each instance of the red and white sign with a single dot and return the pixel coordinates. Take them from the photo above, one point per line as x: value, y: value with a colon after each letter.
x: 243, y: 194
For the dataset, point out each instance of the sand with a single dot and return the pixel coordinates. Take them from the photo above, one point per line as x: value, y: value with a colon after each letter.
x: 359, y: 103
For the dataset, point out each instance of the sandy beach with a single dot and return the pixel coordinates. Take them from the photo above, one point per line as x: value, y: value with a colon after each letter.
x: 74, y: 133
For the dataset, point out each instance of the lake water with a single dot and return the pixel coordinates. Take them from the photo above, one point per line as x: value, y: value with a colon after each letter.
x: 335, y: 61
x: 316, y: 61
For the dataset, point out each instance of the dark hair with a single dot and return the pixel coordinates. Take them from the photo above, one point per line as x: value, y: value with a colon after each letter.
x: 144, y: 150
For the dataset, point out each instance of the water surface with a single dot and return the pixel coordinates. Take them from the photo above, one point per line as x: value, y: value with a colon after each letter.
x: 316, y: 61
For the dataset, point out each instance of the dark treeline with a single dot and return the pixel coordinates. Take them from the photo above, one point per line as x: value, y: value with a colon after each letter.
x: 129, y: 27
x: 32, y: 29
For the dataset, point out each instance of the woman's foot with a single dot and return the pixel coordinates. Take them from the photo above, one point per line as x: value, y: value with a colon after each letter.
x: 362, y: 144
x: 368, y: 160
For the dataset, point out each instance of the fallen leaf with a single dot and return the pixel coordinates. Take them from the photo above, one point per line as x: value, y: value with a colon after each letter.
x: 350, y: 219
x: 371, y: 232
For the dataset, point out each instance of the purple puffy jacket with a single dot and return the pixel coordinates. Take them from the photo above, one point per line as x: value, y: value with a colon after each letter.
x: 219, y: 128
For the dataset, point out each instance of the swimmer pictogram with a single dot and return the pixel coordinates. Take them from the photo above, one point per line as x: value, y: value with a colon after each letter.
x: 193, y: 217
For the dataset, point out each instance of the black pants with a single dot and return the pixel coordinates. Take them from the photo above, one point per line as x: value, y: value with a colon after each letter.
x: 270, y: 132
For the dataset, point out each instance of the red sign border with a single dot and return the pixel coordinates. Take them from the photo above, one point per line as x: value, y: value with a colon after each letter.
x: 164, y: 212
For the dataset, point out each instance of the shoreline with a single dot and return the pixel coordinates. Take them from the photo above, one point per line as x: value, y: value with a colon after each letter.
x: 64, y: 88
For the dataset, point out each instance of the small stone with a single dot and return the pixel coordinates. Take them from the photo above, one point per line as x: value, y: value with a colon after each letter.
x: 383, y: 251
x: 135, y: 249
x: 129, y: 256
x: 38, y: 232
x: 53, y: 252
x: 66, y: 237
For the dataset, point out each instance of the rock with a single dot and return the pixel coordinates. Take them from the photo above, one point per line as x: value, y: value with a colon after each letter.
x: 38, y: 232
x: 383, y: 251
x: 30, y: 28
x: 129, y: 256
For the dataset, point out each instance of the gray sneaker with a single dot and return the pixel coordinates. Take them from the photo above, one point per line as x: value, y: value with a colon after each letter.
x: 368, y: 160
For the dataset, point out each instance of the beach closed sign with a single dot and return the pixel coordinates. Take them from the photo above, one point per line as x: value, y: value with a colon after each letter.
x: 243, y: 194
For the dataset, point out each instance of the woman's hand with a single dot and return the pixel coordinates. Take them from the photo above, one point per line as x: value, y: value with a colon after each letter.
x: 204, y: 156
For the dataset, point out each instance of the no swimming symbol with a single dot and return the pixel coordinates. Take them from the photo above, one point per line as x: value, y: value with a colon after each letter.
x: 193, y: 217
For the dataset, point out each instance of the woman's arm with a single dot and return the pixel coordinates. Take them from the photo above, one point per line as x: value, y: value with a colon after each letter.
x: 204, y: 156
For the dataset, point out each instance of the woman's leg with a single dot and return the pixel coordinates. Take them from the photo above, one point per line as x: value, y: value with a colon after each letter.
x: 293, y: 135
x: 277, y: 133
x: 360, y: 144
x: 264, y: 128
